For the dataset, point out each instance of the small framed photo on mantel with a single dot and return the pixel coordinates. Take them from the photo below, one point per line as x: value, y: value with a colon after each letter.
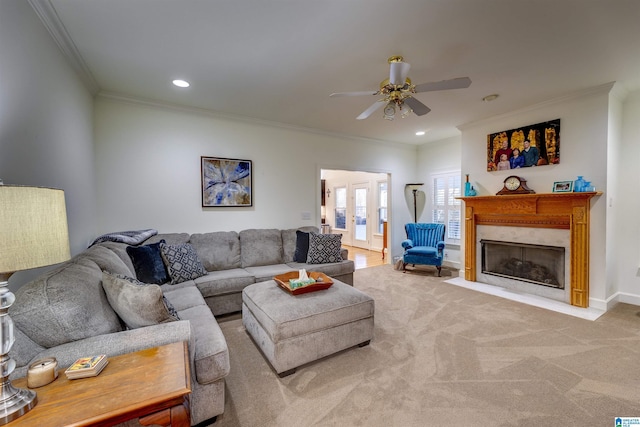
x: 226, y: 182
x: 563, y: 186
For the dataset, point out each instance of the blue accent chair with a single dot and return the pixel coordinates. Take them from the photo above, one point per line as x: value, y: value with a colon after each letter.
x: 424, y: 245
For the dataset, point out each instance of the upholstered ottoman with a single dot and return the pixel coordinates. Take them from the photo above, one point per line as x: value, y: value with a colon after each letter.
x: 292, y: 330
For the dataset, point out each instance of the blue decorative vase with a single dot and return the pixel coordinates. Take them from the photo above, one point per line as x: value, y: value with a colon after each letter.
x: 467, y: 187
x: 578, y: 185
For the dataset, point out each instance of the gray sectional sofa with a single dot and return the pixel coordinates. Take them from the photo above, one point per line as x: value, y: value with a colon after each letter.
x: 66, y: 314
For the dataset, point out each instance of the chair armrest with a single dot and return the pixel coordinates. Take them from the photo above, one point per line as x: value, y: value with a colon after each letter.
x: 407, y: 244
x: 440, y: 246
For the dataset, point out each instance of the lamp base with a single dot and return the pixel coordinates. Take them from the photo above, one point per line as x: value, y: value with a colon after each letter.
x: 15, y: 402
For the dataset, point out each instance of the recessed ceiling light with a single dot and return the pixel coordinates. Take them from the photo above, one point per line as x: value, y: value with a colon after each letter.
x: 420, y: 133
x: 491, y: 97
x: 181, y: 83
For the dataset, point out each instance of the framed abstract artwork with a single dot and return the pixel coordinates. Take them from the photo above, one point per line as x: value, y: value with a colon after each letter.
x: 226, y: 182
x: 533, y: 145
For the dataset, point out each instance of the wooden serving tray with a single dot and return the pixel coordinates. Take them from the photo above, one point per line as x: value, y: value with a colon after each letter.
x: 283, y: 281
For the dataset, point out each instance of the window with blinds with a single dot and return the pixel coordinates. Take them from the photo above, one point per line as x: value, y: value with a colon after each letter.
x: 446, y: 208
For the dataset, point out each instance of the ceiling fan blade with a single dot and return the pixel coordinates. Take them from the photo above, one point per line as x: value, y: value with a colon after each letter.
x: 418, y: 107
x: 398, y: 73
x: 366, y: 113
x: 337, y: 94
x: 459, y: 83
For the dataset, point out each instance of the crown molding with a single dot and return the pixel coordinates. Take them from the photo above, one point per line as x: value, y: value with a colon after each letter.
x: 49, y: 17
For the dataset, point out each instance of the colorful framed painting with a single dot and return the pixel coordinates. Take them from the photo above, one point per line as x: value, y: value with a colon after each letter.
x: 528, y: 146
x: 226, y: 182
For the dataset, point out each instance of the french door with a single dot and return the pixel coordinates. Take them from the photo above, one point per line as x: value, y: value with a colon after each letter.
x: 360, y: 216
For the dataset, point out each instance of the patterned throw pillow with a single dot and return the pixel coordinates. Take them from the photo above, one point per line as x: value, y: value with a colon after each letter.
x: 324, y: 248
x: 137, y: 304
x: 182, y: 262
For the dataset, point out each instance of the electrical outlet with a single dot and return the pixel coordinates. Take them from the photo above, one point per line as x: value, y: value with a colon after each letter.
x: 306, y: 215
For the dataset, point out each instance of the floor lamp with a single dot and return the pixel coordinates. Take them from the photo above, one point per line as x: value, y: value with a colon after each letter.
x: 33, y: 233
x: 414, y: 188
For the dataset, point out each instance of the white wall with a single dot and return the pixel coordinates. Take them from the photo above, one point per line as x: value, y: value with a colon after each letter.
x: 45, y: 121
x: 442, y: 156
x: 148, y: 169
x: 626, y: 247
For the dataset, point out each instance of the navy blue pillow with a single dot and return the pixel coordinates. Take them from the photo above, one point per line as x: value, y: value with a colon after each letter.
x: 302, y: 246
x: 148, y: 263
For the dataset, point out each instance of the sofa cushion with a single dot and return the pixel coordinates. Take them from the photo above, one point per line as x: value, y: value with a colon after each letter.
x: 148, y: 263
x: 71, y: 298
x: 266, y: 272
x: 138, y: 304
x: 107, y: 259
x: 182, y: 262
x: 120, y: 249
x: 324, y: 248
x: 169, y: 238
x: 289, y: 240
x: 331, y: 269
x: 260, y: 247
x: 211, y: 355
x: 218, y: 250
x: 224, y: 282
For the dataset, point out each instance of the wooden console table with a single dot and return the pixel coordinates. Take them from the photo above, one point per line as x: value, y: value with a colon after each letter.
x: 152, y: 385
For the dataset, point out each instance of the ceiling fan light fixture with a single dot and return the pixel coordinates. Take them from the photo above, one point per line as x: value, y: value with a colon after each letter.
x: 390, y: 111
x: 405, y: 110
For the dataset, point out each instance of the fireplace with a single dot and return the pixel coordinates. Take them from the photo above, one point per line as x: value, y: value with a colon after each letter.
x: 552, y: 211
x: 539, y: 264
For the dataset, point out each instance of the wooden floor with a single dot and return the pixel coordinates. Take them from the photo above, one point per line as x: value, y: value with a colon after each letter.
x: 363, y: 258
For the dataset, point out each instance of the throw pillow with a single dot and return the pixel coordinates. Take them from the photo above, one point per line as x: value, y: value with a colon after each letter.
x: 324, y: 248
x: 137, y: 304
x: 148, y: 264
x: 182, y: 262
x: 302, y: 246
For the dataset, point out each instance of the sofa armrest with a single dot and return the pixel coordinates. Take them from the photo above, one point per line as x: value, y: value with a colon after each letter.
x: 344, y: 253
x: 116, y: 343
x: 407, y: 244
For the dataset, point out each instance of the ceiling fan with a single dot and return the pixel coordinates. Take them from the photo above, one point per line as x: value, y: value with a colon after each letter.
x: 398, y: 92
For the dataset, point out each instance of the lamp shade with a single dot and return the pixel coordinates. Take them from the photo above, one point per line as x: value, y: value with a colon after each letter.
x: 414, y: 186
x: 33, y: 228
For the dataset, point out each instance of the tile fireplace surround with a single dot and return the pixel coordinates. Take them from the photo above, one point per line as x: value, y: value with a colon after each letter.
x: 562, y: 211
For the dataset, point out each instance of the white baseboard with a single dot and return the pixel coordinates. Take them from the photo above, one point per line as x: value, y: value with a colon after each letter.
x: 623, y: 297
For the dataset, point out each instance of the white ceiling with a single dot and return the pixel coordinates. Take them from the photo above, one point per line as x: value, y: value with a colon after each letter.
x: 279, y: 60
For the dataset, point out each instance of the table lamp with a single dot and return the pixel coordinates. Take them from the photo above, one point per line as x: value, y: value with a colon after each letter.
x: 33, y: 233
x: 414, y: 188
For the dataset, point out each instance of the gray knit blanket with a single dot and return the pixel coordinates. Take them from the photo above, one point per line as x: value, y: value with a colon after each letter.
x: 129, y: 237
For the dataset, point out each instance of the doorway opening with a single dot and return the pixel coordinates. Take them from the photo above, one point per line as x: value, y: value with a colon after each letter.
x: 355, y: 204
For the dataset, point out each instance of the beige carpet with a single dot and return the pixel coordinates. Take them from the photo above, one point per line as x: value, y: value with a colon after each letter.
x: 448, y: 356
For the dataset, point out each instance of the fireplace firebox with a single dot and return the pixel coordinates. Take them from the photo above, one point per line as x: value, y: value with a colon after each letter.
x: 539, y: 264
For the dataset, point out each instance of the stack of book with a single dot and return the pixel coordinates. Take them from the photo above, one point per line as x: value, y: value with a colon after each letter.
x: 86, y: 367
